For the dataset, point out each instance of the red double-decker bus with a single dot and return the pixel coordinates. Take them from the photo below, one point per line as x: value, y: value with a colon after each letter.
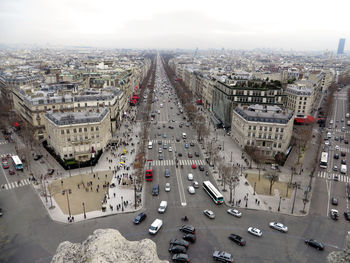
x: 149, y: 172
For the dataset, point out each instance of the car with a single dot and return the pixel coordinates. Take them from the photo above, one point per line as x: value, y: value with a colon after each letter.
x: 170, y: 149
x: 189, y: 237
x: 194, y: 166
x: 334, y: 201
x: 337, y: 148
x: 191, y: 189
x: 167, y: 187
x: 159, y: 142
x: 222, y: 256
x: 164, y: 135
x: 177, y: 249
x: 177, y: 139
x: 192, y: 144
x: 158, y: 127
x: 187, y: 125
x: 171, y: 127
x: 201, y: 168
x: 195, y: 184
x: 347, y: 216
x: 160, y: 157
x: 346, y: 141
x: 37, y: 157
x: 12, y: 172
x: 160, y: 150
x: 336, y: 156
x: 179, y: 154
x: 336, y: 138
x: 314, y: 243
x: 50, y: 171
x: 159, y: 134
x: 188, y: 229
x: 336, y: 177
x: 196, y: 154
x: 167, y: 173
x: 279, y: 227
x: 180, y: 258
x: 234, y: 212
x: 190, y: 177
x: 335, y: 168
x: 180, y: 125
x: 237, y: 239
x: 343, y: 154
x: 5, y: 165
x: 179, y: 242
x: 343, y: 161
x: 343, y: 129
x: 4, y: 158
x: 334, y: 214
x: 342, y: 120
x: 186, y: 145
x: 255, y: 231
x: 165, y: 146
x: 327, y: 143
x: 139, y: 218
x: 189, y: 155
x: 331, y: 122
x: 209, y: 213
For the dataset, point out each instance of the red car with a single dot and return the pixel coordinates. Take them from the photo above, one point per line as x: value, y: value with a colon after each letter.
x: 4, y: 158
x: 5, y: 165
x: 12, y: 172
x: 194, y: 166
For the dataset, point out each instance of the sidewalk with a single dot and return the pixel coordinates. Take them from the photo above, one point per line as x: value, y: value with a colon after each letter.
x: 118, y: 199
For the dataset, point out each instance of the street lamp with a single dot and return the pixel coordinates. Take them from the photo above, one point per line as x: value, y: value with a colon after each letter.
x: 279, y: 205
x: 122, y: 203
x: 295, y: 186
x: 254, y: 188
x: 84, y: 210
x: 68, y: 191
x: 231, y: 157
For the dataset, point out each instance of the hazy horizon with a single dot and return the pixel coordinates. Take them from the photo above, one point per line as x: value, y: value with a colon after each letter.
x: 300, y: 25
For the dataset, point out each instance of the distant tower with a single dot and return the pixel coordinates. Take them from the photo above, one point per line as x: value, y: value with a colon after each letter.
x: 341, y: 46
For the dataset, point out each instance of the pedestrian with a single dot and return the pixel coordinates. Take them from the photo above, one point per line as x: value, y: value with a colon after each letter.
x: 78, y: 186
x: 94, y: 175
x: 114, y: 194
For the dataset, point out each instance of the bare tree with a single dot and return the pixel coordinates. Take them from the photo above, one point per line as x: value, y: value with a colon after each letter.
x: 256, y: 156
x: 272, y: 177
x: 233, y: 181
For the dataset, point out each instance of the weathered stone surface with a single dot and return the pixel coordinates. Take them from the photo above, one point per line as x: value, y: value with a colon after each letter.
x: 107, y: 246
x: 341, y: 256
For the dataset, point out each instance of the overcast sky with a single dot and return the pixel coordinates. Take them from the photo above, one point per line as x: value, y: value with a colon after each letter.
x: 236, y: 24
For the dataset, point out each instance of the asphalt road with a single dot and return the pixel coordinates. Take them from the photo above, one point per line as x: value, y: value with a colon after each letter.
x: 28, y: 234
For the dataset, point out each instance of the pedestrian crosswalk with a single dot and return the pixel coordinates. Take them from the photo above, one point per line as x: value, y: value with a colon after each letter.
x: 13, y: 185
x: 7, y: 154
x: 3, y: 142
x: 332, y: 176
x: 345, y: 150
x: 181, y: 162
x: 339, y: 130
x: 171, y: 141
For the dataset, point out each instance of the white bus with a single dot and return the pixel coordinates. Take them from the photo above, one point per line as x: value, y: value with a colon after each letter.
x: 213, y: 192
x: 150, y: 145
x: 324, y: 160
x: 17, y: 162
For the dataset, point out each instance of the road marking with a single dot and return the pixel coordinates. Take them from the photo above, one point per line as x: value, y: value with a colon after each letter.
x: 329, y: 186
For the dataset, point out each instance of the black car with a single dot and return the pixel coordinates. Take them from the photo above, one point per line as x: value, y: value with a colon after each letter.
x: 189, y: 237
x: 192, y: 144
x: 179, y: 154
x: 179, y: 242
x: 196, y: 154
x: 37, y: 157
x: 180, y: 258
x: 177, y: 249
x: 336, y: 156
x: 237, y: 239
x: 334, y: 201
x: 139, y: 218
x: 201, y: 168
x: 177, y: 139
x: 314, y: 243
x: 347, y: 216
x: 50, y: 171
x: 160, y: 142
x: 188, y: 229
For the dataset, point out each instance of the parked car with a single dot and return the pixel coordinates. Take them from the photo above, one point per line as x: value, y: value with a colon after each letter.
x: 139, y: 218
x: 314, y: 243
x: 234, y: 212
x: 180, y: 258
x: 279, y: 227
x: 336, y: 156
x: 177, y: 249
x: 343, y: 154
x: 195, y: 184
x: 160, y: 158
x: 209, y: 213
x: 190, y: 177
x: 255, y: 231
x: 191, y: 189
x: 1, y: 212
x: 237, y: 239
x: 160, y: 150
x: 179, y: 242
x: 189, y: 237
x: 222, y: 256
x: 188, y: 229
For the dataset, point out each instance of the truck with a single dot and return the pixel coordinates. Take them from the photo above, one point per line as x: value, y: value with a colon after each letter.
x: 149, y: 171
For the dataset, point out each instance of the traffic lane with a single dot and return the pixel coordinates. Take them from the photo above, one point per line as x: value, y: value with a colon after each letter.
x: 320, y: 198
x: 339, y: 191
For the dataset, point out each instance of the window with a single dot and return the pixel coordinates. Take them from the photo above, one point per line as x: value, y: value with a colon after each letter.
x: 85, y: 129
x: 265, y: 128
x: 86, y: 137
x: 68, y: 139
x: 97, y: 136
x: 254, y: 128
x: 279, y: 145
x: 260, y: 128
x: 282, y: 129
x: 67, y: 131
x: 62, y: 131
x: 80, y: 130
x: 249, y: 134
x: 96, y: 128
x: 270, y: 129
x: 85, y: 104
x: 281, y: 136
x: 274, y: 144
x: 75, y: 130
x: 250, y: 127
x: 92, y: 128
x: 78, y: 105
x: 277, y: 129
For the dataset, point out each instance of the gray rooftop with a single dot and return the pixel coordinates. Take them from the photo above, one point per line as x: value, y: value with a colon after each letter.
x: 260, y: 113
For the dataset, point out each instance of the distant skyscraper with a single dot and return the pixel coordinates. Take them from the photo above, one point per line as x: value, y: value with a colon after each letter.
x: 341, y: 46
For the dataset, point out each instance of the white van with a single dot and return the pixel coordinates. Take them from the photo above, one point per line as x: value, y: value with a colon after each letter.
x: 150, y: 145
x: 162, y: 207
x: 156, y: 225
x: 343, y: 169
x: 184, y: 135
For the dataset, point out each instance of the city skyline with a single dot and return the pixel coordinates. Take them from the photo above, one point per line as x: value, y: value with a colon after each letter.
x: 155, y: 24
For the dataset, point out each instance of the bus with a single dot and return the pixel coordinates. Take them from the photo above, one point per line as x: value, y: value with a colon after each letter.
x: 17, y: 162
x: 324, y: 160
x: 149, y: 172
x: 213, y: 192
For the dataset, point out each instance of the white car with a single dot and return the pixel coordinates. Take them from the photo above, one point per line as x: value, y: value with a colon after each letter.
x: 279, y: 227
x: 191, y: 190
x: 234, y: 212
x: 170, y: 149
x: 167, y: 187
x: 337, y: 148
x: 331, y: 122
x: 190, y: 177
x: 209, y: 213
x: 326, y: 143
x: 160, y: 150
x: 254, y: 231
x: 195, y: 184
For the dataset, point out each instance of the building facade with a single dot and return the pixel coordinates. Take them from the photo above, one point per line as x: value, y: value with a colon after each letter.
x: 341, y: 46
x: 76, y: 135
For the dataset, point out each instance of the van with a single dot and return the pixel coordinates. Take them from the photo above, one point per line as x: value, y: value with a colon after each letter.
x: 162, y: 207
x: 343, y: 169
x: 150, y: 145
x: 156, y: 225
x: 184, y: 136
x: 155, y: 190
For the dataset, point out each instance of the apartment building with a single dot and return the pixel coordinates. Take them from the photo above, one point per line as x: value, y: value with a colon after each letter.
x: 268, y: 128
x: 300, y: 99
x: 77, y: 135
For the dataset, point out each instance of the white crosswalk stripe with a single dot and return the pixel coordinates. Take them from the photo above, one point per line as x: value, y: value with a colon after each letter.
x: 13, y: 185
x: 326, y: 175
x: 3, y: 142
x: 344, y: 150
x: 6, y: 154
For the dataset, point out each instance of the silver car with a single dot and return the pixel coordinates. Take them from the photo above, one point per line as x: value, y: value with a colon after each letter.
x: 209, y: 213
x: 279, y: 227
x: 234, y: 212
